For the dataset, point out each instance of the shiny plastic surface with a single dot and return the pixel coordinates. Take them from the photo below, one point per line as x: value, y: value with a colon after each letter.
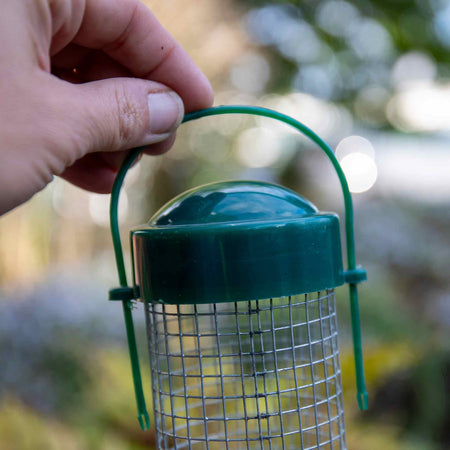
x: 233, y: 202
x: 236, y: 241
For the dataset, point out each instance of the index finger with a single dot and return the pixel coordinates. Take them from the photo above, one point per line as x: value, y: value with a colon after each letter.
x: 128, y: 32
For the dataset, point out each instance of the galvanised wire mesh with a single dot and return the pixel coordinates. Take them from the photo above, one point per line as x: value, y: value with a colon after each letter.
x: 260, y: 374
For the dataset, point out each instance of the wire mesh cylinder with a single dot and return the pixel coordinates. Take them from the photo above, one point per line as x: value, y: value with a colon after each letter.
x: 260, y: 374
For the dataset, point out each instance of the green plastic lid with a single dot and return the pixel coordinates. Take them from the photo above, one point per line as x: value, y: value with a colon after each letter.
x: 235, y: 241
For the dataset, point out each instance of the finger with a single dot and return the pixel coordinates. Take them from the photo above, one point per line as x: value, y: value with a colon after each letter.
x: 96, y: 172
x: 121, y: 113
x: 161, y: 147
x: 88, y: 65
x: 70, y: 56
x: 92, y: 174
x: 115, y: 159
x: 129, y: 33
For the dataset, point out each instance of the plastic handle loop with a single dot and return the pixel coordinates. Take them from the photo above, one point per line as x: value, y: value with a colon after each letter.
x: 362, y: 396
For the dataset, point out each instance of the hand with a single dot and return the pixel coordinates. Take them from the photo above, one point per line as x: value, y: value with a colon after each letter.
x: 82, y: 81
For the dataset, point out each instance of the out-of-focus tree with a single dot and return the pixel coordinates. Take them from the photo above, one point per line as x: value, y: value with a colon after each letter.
x: 359, y: 53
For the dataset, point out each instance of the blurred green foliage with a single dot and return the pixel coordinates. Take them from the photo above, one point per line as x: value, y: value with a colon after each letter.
x: 410, y: 25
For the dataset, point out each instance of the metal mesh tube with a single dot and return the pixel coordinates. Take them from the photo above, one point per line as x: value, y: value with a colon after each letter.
x: 260, y: 374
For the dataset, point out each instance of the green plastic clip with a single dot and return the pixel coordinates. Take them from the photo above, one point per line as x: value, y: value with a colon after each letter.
x: 355, y: 276
x: 121, y: 294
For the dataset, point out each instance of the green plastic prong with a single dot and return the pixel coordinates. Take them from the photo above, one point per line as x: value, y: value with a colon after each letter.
x: 135, y: 369
x: 144, y: 421
x: 362, y: 396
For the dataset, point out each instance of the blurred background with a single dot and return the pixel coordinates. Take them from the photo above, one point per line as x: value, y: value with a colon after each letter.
x: 371, y: 77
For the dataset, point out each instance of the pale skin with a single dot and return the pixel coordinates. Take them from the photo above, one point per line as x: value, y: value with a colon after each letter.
x: 81, y: 82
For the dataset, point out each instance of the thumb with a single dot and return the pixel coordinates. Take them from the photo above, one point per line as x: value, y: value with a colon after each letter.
x: 121, y: 113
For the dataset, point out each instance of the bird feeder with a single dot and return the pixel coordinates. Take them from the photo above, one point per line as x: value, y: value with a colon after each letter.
x: 238, y: 283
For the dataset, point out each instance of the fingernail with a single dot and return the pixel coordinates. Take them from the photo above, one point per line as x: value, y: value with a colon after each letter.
x: 166, y: 112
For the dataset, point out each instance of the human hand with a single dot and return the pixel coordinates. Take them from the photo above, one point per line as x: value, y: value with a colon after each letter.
x: 82, y: 81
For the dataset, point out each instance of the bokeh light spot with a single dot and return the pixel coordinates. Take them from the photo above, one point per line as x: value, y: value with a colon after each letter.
x: 258, y: 147
x: 360, y: 170
x: 353, y: 144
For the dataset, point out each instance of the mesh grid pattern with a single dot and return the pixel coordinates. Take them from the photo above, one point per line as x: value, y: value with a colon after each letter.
x: 260, y: 374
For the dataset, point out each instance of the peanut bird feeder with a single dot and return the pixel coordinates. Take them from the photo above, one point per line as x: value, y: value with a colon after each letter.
x: 238, y: 283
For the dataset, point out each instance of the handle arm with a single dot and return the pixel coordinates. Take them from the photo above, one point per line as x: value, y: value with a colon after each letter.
x: 143, y: 417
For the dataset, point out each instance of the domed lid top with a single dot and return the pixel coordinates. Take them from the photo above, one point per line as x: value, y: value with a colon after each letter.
x: 236, y: 201
x: 236, y: 241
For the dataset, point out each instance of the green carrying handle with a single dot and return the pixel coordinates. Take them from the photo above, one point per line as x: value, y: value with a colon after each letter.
x: 353, y: 275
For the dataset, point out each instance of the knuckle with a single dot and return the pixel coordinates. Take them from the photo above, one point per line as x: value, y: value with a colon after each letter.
x: 130, y: 116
